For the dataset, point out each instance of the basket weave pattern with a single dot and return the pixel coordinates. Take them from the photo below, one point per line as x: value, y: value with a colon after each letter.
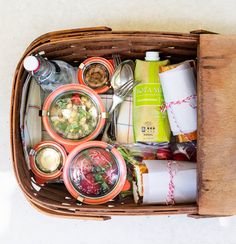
x: 74, y: 46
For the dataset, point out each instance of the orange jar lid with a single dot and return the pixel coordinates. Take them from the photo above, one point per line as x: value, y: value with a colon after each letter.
x: 96, y: 73
x: 95, y: 172
x: 73, y: 114
x: 47, y: 160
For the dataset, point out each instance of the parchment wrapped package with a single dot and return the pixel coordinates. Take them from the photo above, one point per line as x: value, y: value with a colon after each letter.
x: 179, y: 89
x: 165, y: 182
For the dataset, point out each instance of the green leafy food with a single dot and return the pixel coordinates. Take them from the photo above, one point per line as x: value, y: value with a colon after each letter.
x: 73, y: 119
x: 99, y: 178
x: 62, y: 126
x: 104, y: 186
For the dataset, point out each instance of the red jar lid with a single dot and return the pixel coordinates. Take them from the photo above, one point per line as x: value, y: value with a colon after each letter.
x: 96, y: 73
x: 47, y: 160
x: 73, y: 114
x: 95, y: 172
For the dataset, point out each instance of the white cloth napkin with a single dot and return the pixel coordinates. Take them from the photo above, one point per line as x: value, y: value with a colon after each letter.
x: 124, y: 133
x: 22, y: 117
x: 32, y: 120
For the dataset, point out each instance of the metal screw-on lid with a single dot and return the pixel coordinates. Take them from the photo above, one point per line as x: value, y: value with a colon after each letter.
x: 152, y: 56
x: 31, y: 63
x: 47, y: 160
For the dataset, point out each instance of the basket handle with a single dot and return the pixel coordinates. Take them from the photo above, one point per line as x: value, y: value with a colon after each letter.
x: 54, y: 35
x: 51, y: 212
x: 69, y: 32
x: 96, y: 218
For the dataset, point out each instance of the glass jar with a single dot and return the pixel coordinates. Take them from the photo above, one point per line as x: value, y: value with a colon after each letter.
x: 95, y: 172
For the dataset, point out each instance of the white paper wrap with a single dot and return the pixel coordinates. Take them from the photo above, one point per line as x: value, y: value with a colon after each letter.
x: 156, y: 182
x: 178, y: 84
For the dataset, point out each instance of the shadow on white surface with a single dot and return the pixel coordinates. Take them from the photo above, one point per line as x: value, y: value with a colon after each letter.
x: 8, y: 186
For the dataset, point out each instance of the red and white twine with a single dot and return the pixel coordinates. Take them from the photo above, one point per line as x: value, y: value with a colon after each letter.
x: 170, y: 198
x: 168, y: 106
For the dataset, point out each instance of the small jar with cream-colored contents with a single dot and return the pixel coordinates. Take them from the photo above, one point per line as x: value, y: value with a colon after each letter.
x: 96, y: 73
x: 47, y: 160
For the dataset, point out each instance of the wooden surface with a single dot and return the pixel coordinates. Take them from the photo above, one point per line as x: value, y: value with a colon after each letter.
x: 217, y: 125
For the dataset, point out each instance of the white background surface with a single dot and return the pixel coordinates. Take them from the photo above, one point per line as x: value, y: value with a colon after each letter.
x: 20, y: 23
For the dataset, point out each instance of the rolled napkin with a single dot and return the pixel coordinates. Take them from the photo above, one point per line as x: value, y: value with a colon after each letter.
x: 179, y: 89
x: 25, y: 90
x: 107, y: 100
x: 165, y: 182
x: 125, y: 123
x: 32, y: 120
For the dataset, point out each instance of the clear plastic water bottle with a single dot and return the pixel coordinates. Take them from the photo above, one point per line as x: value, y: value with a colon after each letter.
x: 50, y: 74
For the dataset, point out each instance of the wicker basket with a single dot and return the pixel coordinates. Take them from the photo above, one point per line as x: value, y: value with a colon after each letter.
x: 73, y: 46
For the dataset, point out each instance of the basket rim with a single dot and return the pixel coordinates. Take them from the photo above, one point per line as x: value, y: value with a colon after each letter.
x: 74, y: 34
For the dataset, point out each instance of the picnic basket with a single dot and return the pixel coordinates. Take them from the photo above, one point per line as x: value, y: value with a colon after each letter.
x: 216, y: 89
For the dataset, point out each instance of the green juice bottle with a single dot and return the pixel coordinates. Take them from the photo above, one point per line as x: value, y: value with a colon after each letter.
x: 149, y: 123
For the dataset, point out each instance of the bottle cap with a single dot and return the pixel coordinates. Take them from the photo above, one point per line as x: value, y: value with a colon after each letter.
x: 152, y: 56
x: 31, y: 63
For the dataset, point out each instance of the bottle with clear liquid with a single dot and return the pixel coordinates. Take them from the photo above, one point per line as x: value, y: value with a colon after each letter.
x: 50, y: 74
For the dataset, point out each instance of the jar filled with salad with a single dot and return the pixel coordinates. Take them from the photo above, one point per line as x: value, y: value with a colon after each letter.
x: 73, y: 114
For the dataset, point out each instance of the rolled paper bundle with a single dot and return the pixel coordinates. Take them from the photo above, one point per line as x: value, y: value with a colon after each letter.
x: 179, y: 89
x: 165, y: 182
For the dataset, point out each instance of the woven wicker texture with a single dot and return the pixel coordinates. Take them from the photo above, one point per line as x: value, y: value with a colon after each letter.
x: 74, y: 46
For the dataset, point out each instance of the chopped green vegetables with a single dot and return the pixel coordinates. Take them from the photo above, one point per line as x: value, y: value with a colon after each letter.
x: 74, y: 116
